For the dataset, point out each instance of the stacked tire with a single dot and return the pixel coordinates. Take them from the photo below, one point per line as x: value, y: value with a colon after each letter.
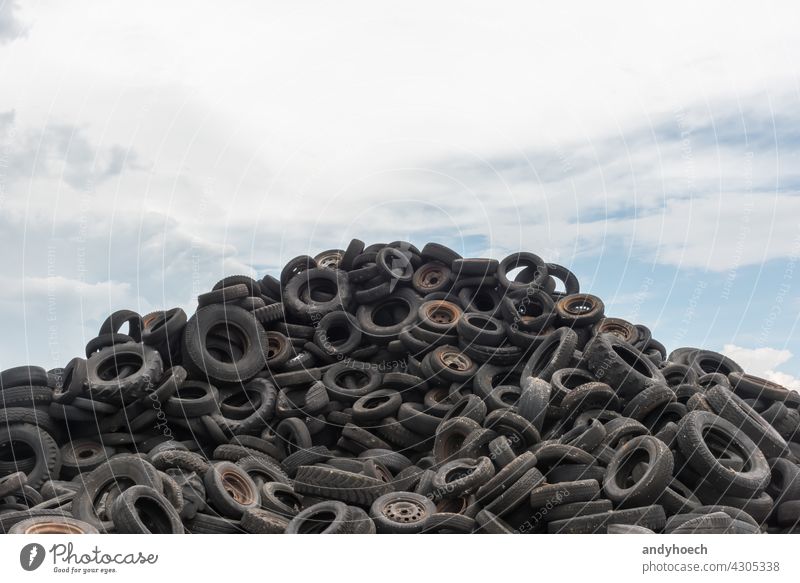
x: 391, y: 389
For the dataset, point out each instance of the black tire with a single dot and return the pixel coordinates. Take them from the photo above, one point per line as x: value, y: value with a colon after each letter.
x: 580, y: 310
x: 451, y: 437
x: 103, y: 369
x: 332, y: 483
x: 649, y: 400
x: 393, y: 461
x: 651, y: 517
x: 534, y: 401
x: 143, y: 510
x: 82, y: 456
x: 620, y: 365
x: 259, y: 521
x: 394, y: 264
x: 305, y: 457
x: 121, y: 471
x: 589, y: 396
x: 23, y: 376
x: 339, y: 388
x: 438, y: 252
x: 521, y: 434
x: 678, y: 498
x: 480, y: 329
x: 478, y: 268
x: 627, y: 529
x: 211, y: 524
x: 400, y: 308
x: 164, y: 327
x: 505, y: 478
x: 753, y: 387
x: 261, y: 470
x: 575, y: 509
x: 73, y: 382
x: 522, y: 259
x: 354, y: 249
x: 788, y: 513
x: 528, y: 311
x: 588, y: 438
x: 337, y: 334
x: 118, y: 319
x: 26, y: 396
x: 561, y: 273
x: 550, y: 495
x: 248, y: 333
x: 626, y: 490
x: 515, y: 494
x: 281, y: 499
x: 450, y: 523
x: 501, y: 452
x: 292, y: 435
x: 45, y: 451
x: 376, y: 405
x: 298, y: 296
x: 785, y: 480
x: 401, y: 513
x: 469, y: 406
x: 230, y: 489
x: 263, y: 413
x: 104, y: 341
x: 462, y: 476
x: 184, y: 460
x: 707, y: 361
x: 731, y: 407
x: 328, y: 517
x: 576, y: 472
x: 415, y: 417
x: 268, y: 314
x: 193, y: 399
x: 692, y: 433
x: 553, y: 353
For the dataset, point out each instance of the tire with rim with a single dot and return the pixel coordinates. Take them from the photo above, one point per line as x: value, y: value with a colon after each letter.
x: 230, y: 489
x: 55, y: 524
x: 401, y: 513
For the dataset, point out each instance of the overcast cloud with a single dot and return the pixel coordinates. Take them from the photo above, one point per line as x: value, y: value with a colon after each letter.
x: 143, y: 156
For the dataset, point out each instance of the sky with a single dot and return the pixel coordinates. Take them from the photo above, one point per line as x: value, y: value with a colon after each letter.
x: 146, y: 151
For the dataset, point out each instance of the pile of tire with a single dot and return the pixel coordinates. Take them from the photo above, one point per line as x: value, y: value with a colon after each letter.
x: 389, y: 389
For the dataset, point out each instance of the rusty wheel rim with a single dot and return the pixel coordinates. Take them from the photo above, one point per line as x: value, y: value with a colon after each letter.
x: 237, y: 488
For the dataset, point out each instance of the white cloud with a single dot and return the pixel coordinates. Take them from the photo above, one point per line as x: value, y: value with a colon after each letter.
x: 763, y: 362
x: 301, y: 126
x: 10, y: 26
x: 538, y: 128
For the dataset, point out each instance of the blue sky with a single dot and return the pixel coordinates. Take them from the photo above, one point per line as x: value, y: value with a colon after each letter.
x: 143, y: 155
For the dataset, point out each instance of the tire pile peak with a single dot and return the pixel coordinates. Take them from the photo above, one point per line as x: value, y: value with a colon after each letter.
x: 388, y: 389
